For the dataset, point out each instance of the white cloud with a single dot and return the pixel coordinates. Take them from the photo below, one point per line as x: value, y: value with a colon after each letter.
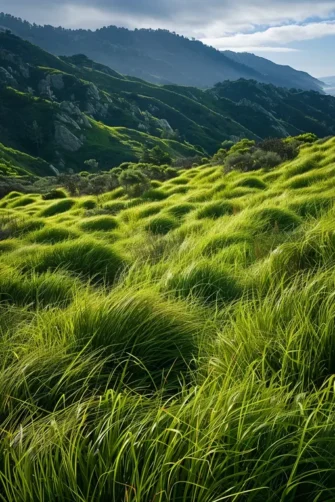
x: 275, y: 35
x: 258, y: 49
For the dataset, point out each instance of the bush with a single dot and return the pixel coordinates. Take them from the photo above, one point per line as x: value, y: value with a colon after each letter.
x: 134, y: 182
x: 287, y: 150
x: 56, y: 193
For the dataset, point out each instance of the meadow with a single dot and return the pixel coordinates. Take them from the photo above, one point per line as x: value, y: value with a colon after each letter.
x: 178, y: 346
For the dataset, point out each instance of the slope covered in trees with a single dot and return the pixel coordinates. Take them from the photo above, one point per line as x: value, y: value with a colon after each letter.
x: 70, y: 110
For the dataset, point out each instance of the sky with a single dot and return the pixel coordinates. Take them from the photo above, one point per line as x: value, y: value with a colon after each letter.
x: 299, y: 33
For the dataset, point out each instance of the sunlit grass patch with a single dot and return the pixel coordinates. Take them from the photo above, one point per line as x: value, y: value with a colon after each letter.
x: 218, y: 209
x: 57, y: 208
x: 99, y: 224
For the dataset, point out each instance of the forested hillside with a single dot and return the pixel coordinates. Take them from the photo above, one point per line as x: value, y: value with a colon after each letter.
x: 67, y: 111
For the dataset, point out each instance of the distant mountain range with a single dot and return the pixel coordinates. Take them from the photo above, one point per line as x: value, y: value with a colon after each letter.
x: 67, y: 110
x: 159, y: 56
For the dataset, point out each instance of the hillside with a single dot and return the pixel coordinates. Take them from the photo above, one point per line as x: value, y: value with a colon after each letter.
x: 69, y: 110
x: 280, y: 75
x: 158, y: 56
x: 176, y: 346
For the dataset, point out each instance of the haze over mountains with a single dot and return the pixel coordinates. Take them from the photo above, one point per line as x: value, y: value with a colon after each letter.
x: 159, y: 56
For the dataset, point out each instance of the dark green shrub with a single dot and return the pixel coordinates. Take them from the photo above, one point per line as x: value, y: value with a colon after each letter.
x: 57, y: 193
x: 134, y: 182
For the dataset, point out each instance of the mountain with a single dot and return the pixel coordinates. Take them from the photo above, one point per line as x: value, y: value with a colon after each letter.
x: 71, y: 109
x: 280, y: 75
x: 158, y: 56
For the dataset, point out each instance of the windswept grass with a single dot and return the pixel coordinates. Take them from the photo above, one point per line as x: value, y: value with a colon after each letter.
x: 184, y: 352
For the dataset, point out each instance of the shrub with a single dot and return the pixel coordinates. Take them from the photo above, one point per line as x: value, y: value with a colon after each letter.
x: 161, y: 225
x: 57, y: 193
x: 134, y: 182
x: 238, y: 161
x: 99, y: 224
x: 57, y: 208
x: 287, y: 150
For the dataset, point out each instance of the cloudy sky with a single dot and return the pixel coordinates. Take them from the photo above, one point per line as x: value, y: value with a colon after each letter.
x: 300, y: 33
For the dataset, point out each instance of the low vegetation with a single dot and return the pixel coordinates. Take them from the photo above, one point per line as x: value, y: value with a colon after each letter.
x: 171, y: 344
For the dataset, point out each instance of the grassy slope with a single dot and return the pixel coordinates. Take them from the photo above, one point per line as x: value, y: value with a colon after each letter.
x: 175, y: 347
x: 15, y: 163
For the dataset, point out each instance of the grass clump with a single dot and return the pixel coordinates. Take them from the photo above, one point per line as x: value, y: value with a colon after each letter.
x: 180, y: 210
x: 275, y: 219
x: 251, y: 182
x: 161, y: 225
x: 52, y: 235
x: 87, y: 258
x: 216, y: 210
x: 57, y: 208
x: 205, y: 281
x: 99, y: 224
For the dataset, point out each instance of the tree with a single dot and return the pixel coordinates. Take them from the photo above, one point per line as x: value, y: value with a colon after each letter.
x: 92, y: 164
x: 155, y: 156
x: 134, y: 182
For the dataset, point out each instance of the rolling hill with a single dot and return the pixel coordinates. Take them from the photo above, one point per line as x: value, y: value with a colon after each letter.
x: 172, y: 348
x: 159, y: 56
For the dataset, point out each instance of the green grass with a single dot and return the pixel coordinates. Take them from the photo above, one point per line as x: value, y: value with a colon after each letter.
x: 167, y: 358
x: 99, y: 223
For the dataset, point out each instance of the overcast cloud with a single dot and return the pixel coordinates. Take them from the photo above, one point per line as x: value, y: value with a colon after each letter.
x: 280, y: 27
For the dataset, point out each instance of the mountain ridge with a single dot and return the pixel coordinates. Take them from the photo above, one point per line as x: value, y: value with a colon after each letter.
x: 71, y: 109
x: 158, y: 56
